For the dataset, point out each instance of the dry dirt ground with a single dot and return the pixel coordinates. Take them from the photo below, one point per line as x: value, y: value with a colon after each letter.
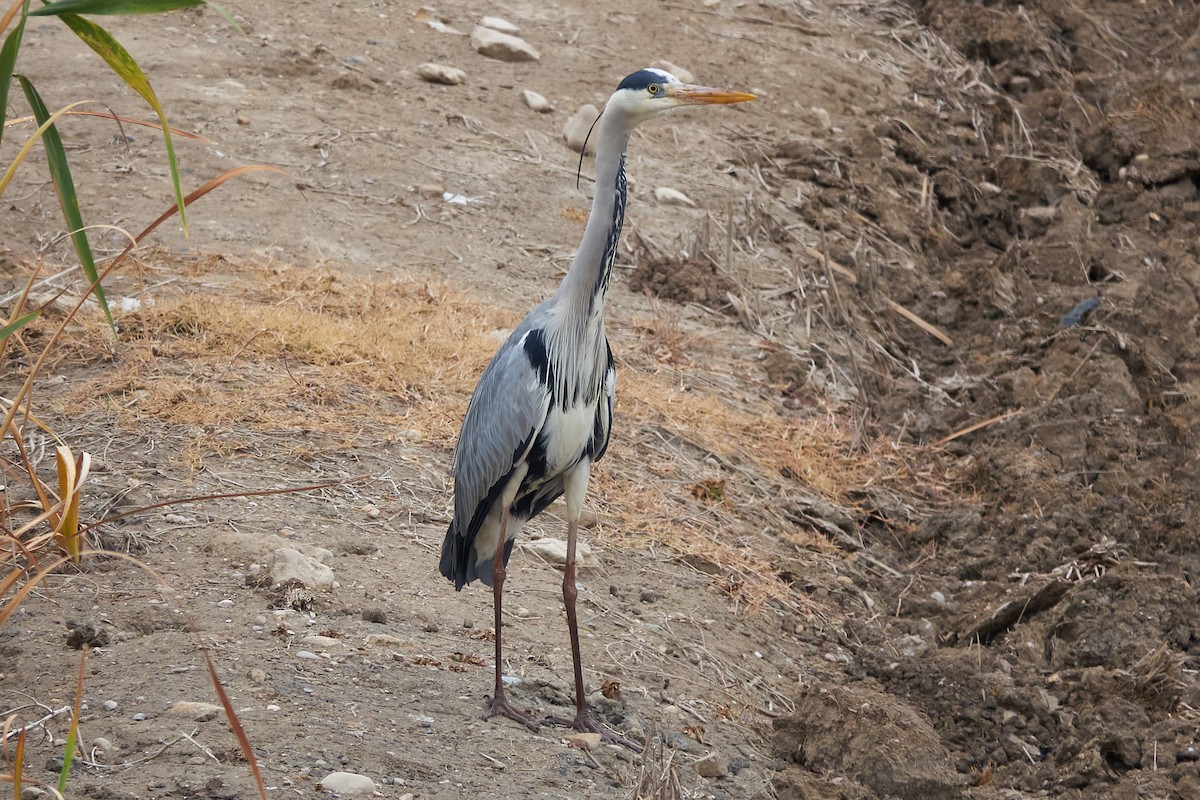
x: 902, y: 499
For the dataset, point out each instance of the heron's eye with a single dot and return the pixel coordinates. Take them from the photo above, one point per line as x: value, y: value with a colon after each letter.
x: 653, y: 88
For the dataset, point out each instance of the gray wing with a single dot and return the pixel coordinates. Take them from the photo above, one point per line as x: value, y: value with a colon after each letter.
x: 505, y: 415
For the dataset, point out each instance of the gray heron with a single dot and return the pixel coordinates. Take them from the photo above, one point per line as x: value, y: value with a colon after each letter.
x: 542, y: 411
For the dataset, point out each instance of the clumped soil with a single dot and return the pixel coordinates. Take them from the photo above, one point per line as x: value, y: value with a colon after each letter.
x: 966, y: 234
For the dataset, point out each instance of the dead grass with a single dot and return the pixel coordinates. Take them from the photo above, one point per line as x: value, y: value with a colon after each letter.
x: 231, y: 358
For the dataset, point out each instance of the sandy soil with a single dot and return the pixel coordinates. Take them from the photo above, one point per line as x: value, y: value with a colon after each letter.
x: 973, y: 576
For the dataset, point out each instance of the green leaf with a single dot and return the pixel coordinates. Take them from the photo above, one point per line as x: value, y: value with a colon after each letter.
x: 122, y: 63
x: 8, y: 60
x: 64, y: 186
x: 17, y: 324
x: 112, y: 7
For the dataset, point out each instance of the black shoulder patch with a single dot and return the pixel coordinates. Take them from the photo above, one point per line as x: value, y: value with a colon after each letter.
x: 641, y: 79
x: 539, y: 359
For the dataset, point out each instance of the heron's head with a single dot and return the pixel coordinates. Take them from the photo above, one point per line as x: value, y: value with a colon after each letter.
x: 650, y: 92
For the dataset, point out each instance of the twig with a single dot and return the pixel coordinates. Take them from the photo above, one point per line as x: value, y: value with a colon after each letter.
x: 58, y: 712
x: 1007, y: 415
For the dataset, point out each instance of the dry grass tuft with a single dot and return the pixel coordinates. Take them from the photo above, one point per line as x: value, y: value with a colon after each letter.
x: 270, y: 359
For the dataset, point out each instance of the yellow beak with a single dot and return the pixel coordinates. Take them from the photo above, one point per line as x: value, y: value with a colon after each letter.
x: 688, y: 95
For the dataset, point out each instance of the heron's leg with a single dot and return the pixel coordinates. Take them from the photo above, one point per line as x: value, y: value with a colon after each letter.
x: 576, y: 488
x: 500, y: 704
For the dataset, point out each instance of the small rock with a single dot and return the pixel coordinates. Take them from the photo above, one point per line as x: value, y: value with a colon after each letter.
x: 502, y: 46
x: 374, y: 615
x: 383, y: 640
x: 103, y: 745
x: 554, y: 551
x: 468, y: 623
x: 577, y: 128
x: 32, y: 793
x: 499, y: 24
x: 672, y: 197
x: 522, y: 612
x: 225, y: 603
x: 511, y: 680
x: 817, y: 118
x: 536, y: 101
x: 679, y: 72
x: 111, y: 705
x: 347, y: 783
x: 307, y: 655
x: 938, y: 597
x: 243, y: 120
x: 315, y: 640
x: 258, y: 675
x: 440, y: 73
x: 292, y: 565
x: 712, y: 766
x: 370, y: 509
x: 138, y: 717
x: 648, y: 596
x: 584, y: 741
x: 196, y: 761
x: 201, y: 712
x: 273, y: 707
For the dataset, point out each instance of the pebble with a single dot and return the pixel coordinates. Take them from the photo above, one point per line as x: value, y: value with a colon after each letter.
x: 554, y: 551
x: 577, y: 127
x: 502, y: 46
x: 138, y: 717
x: 258, y: 675
x: 499, y: 24
x: 536, y: 101
x: 292, y: 565
x: 679, y: 72
x: 196, y: 761
x: 316, y: 640
x: 225, y: 603
x: 511, y: 680
x: 347, y: 783
x: 938, y: 598
x: 273, y: 707
x: 103, y: 745
x: 383, y: 640
x: 374, y: 615
x: 672, y: 197
x: 201, y: 712
x: 712, y: 766
x: 584, y: 741
x: 32, y: 793
x: 522, y: 612
x: 307, y: 655
x: 111, y: 705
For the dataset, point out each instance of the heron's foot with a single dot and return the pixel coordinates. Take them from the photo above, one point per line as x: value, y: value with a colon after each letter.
x: 500, y: 707
x: 585, y: 723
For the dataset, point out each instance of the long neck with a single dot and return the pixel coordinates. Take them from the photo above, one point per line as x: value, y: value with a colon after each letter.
x: 587, y: 279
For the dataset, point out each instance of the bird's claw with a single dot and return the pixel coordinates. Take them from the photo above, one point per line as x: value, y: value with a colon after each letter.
x: 584, y: 723
x: 501, y: 707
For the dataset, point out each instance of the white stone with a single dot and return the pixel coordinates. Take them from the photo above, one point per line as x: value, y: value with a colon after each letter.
x: 501, y: 46
x: 499, y: 24
x: 679, y: 72
x: 585, y: 741
x: 554, y: 551
x: 672, y: 197
x: 347, y: 783
x: 201, y: 712
x: 577, y: 127
x: 440, y: 73
x: 315, y: 640
x: 111, y: 705
x: 536, y: 101
x: 103, y: 745
x: 292, y: 565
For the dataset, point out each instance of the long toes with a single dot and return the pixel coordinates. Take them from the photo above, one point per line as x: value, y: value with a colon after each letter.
x: 501, y: 707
